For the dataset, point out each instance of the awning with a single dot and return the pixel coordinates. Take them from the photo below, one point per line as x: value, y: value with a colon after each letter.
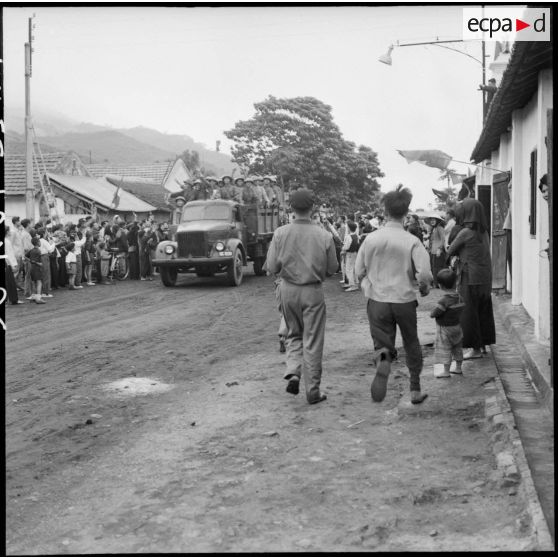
x: 101, y: 192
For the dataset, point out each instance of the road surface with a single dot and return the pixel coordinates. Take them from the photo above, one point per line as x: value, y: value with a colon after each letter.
x: 146, y: 419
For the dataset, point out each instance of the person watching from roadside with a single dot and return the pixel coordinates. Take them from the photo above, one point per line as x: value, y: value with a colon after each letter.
x: 449, y: 335
x: 35, y: 271
x: 349, y: 253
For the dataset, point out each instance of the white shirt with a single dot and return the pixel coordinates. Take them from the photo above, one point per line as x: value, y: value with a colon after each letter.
x: 71, y: 257
x: 46, y: 247
x: 392, y: 261
x: 9, y: 251
x: 78, y: 244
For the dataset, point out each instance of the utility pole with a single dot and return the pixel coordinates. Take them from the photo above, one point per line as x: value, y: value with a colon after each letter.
x: 29, y: 186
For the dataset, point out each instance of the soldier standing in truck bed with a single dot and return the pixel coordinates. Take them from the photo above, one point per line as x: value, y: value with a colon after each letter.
x: 249, y: 194
x: 230, y: 191
x: 260, y: 190
x: 201, y: 190
x: 302, y: 255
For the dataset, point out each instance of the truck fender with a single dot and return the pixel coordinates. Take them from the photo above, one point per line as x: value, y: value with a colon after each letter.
x: 160, y: 250
x: 233, y: 243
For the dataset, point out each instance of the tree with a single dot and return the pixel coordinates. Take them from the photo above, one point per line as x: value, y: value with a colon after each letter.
x: 298, y: 140
x: 191, y: 159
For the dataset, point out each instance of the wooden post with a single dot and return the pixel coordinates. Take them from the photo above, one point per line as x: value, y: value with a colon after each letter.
x: 549, y: 147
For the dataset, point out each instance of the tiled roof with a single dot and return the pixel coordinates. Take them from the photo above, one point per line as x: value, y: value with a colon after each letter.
x: 102, y: 192
x: 519, y: 83
x: 156, y: 172
x: 150, y: 192
x: 15, y: 178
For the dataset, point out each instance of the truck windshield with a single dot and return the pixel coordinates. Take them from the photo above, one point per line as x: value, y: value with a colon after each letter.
x: 206, y: 212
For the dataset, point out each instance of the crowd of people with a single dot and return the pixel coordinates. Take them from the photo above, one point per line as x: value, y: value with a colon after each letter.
x: 47, y: 256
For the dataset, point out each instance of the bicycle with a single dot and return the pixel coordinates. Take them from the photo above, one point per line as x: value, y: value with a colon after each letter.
x: 119, y: 268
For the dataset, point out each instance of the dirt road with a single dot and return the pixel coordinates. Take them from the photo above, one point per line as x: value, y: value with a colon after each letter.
x: 199, y: 448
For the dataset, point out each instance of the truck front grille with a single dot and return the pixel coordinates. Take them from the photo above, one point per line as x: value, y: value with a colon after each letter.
x: 192, y: 244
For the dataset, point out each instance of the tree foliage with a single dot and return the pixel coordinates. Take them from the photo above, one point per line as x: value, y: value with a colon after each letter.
x: 298, y: 140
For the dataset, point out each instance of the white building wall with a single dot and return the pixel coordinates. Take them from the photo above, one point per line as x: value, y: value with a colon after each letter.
x: 178, y: 174
x: 545, y: 101
x: 526, y: 141
x: 530, y: 265
x: 14, y: 206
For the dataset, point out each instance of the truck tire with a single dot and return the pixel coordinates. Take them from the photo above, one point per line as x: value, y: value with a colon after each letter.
x: 235, y: 271
x: 168, y: 276
x: 258, y: 265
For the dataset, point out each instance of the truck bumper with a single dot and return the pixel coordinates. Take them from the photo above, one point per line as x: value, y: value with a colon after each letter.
x: 192, y: 262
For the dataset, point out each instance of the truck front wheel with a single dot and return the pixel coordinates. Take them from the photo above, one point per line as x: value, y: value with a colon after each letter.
x: 235, y: 271
x: 168, y: 276
x: 258, y: 265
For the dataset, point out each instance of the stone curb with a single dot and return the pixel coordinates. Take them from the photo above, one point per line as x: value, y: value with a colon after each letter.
x: 512, y: 464
x: 537, y: 377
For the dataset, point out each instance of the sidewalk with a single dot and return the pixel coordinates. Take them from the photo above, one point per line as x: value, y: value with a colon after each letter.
x: 522, y: 363
x: 535, y: 355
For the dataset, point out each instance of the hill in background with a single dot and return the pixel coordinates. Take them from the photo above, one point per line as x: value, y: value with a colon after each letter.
x: 101, y: 144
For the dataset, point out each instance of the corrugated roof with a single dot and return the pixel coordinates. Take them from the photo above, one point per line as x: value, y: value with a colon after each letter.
x: 150, y: 192
x: 156, y: 172
x: 15, y: 177
x: 101, y: 191
x: 519, y: 84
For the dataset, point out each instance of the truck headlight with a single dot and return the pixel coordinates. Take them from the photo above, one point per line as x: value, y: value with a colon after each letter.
x: 219, y: 246
x: 169, y: 249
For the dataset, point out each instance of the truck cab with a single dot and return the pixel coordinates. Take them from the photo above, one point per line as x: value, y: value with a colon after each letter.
x: 217, y: 236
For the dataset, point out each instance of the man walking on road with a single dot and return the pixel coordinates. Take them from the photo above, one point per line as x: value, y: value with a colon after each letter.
x: 302, y: 255
x: 390, y: 261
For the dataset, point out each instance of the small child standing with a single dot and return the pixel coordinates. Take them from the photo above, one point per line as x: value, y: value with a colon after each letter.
x: 36, y: 272
x: 449, y: 335
x: 104, y: 257
x: 71, y: 266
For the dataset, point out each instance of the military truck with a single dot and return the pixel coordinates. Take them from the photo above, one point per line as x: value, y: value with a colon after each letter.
x: 217, y: 236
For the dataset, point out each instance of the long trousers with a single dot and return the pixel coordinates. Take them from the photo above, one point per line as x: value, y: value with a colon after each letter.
x: 134, y: 264
x: 53, y: 272
x: 27, y: 286
x: 45, y: 271
x: 477, y: 319
x: 146, y: 269
x: 79, y: 271
x: 384, y: 317
x: 350, y: 260
x: 304, y: 310
x: 11, y: 286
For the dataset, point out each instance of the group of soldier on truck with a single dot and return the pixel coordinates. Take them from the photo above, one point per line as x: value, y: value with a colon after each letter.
x: 261, y: 190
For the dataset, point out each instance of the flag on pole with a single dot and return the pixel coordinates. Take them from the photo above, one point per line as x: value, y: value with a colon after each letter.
x: 116, y: 199
x: 457, y: 178
x: 429, y: 157
x: 441, y: 195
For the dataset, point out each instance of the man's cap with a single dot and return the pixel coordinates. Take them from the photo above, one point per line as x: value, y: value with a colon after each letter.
x: 302, y: 199
x: 226, y: 176
x: 249, y: 179
x: 180, y: 198
x: 257, y: 178
x: 271, y: 177
x: 197, y: 181
x: 212, y: 178
x: 239, y: 178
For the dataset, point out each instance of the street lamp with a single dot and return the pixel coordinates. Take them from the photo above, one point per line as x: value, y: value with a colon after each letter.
x: 386, y: 59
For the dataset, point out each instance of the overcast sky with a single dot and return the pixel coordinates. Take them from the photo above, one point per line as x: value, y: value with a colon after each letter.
x: 197, y: 71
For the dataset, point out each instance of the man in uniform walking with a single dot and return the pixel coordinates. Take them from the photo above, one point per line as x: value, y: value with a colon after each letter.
x: 302, y: 255
x: 392, y: 262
